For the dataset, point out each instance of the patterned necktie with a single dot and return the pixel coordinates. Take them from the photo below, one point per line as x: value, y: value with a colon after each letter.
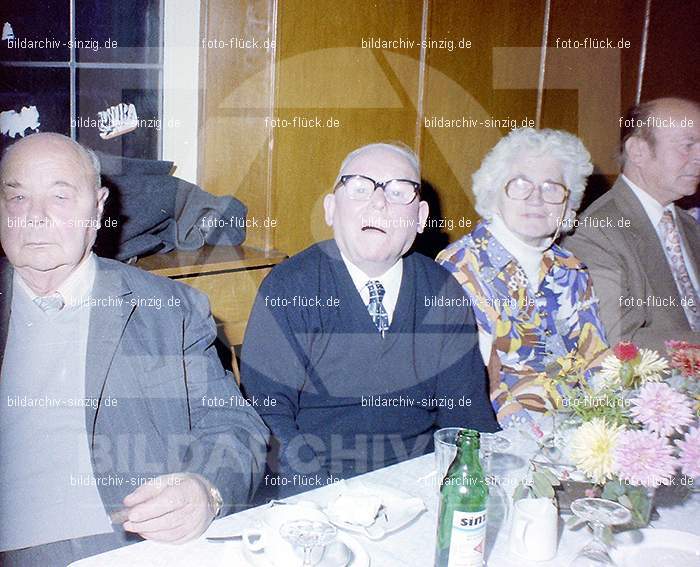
x: 50, y: 303
x: 672, y: 242
x: 375, y: 307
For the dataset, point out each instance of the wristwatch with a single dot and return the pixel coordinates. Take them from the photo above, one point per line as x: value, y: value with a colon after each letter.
x: 215, y: 500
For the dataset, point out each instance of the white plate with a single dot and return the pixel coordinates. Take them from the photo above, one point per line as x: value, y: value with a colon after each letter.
x: 400, y: 508
x: 356, y: 555
x: 655, y: 548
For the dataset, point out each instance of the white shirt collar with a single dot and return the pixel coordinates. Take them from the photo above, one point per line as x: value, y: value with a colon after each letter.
x: 529, y: 257
x: 76, y: 288
x: 651, y: 206
x: 391, y: 280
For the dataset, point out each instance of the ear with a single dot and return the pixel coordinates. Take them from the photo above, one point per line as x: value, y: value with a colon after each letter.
x: 423, y: 212
x: 329, y: 208
x: 637, y: 149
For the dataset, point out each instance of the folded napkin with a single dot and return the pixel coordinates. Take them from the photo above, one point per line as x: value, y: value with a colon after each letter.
x: 358, y: 509
x: 373, y: 509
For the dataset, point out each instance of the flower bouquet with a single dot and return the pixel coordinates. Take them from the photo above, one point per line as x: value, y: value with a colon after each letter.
x: 624, y: 431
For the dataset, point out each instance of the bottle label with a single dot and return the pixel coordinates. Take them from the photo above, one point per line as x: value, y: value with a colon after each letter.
x: 467, y: 539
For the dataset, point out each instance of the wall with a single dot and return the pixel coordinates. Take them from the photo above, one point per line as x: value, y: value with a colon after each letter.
x: 509, y: 62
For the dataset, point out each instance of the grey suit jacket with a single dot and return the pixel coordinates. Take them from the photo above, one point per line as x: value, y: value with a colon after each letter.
x: 165, y: 402
x: 639, y: 299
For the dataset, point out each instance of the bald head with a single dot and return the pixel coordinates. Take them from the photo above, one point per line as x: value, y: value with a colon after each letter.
x: 51, y: 205
x: 86, y: 160
x: 396, y: 151
x: 661, y: 148
x: 374, y: 233
x: 644, y: 119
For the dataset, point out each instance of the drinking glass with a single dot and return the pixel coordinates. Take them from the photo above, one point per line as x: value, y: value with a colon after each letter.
x: 445, y: 450
x: 599, y: 513
x: 308, y: 534
x: 491, y: 443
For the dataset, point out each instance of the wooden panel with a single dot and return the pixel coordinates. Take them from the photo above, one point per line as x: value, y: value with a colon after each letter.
x: 209, y: 259
x: 588, y: 88
x: 228, y: 275
x: 325, y: 73
x: 672, y: 53
x: 231, y: 295
x: 236, y: 98
x: 460, y: 84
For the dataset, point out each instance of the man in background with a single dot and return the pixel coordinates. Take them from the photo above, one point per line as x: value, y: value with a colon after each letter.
x: 363, y: 347
x: 643, y: 252
x: 106, y: 435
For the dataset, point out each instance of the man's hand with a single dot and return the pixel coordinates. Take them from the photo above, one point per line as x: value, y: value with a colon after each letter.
x: 174, y: 508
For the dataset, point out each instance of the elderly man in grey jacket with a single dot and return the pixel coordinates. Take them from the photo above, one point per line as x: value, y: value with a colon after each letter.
x: 642, y: 251
x: 117, y: 420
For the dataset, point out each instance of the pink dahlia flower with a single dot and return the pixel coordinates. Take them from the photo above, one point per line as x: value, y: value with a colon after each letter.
x: 689, y: 457
x: 661, y: 408
x: 643, y: 458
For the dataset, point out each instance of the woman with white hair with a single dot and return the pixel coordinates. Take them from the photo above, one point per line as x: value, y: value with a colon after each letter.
x: 534, y: 301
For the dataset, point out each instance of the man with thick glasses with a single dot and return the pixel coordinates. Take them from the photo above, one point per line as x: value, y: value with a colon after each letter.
x: 361, y: 347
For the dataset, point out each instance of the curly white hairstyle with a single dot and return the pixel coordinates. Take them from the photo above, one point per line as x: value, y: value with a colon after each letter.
x: 566, y: 148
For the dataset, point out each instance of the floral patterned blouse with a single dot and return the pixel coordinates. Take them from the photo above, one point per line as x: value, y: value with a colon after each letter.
x: 530, y: 331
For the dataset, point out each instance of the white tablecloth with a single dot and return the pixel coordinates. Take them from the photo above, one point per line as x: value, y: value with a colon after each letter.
x: 411, y: 546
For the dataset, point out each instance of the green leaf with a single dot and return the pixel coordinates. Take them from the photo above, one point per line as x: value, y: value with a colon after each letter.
x: 541, y: 486
x: 550, y: 476
x: 612, y: 490
x: 641, y: 504
x: 520, y: 491
x: 626, y: 502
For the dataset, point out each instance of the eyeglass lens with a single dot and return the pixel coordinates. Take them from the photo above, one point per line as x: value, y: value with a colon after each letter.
x: 521, y: 189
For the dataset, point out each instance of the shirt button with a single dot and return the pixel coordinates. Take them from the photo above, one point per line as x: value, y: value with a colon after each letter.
x: 548, y: 333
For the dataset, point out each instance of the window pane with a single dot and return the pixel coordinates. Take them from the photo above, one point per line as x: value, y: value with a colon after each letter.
x: 47, y: 89
x: 133, y: 25
x: 42, y: 24
x: 100, y: 89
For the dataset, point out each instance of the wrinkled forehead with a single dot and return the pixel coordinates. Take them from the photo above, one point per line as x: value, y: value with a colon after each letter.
x: 674, y: 120
x: 48, y: 161
x: 381, y: 164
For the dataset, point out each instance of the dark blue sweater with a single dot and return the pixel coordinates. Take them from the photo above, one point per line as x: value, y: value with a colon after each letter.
x: 338, y: 398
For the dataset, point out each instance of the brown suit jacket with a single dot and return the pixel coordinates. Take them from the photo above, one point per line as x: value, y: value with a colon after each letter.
x: 639, y: 299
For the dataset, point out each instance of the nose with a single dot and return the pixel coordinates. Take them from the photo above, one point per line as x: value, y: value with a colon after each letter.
x: 378, y: 200
x: 695, y: 154
x: 36, y: 212
x: 535, y: 197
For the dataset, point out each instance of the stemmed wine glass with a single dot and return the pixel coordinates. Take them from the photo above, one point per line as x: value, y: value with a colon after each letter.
x: 599, y: 513
x: 308, y: 534
x: 552, y: 445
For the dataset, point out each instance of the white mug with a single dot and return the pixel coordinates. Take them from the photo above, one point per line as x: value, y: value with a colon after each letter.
x: 267, y: 537
x: 535, y: 529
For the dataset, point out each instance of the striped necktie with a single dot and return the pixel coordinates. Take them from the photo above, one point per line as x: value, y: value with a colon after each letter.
x: 376, y: 308
x: 674, y: 253
x: 51, y: 303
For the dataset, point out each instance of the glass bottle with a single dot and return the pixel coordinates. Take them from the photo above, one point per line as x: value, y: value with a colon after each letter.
x: 461, y: 530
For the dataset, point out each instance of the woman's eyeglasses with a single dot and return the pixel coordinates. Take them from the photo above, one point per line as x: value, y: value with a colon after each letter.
x: 520, y: 189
